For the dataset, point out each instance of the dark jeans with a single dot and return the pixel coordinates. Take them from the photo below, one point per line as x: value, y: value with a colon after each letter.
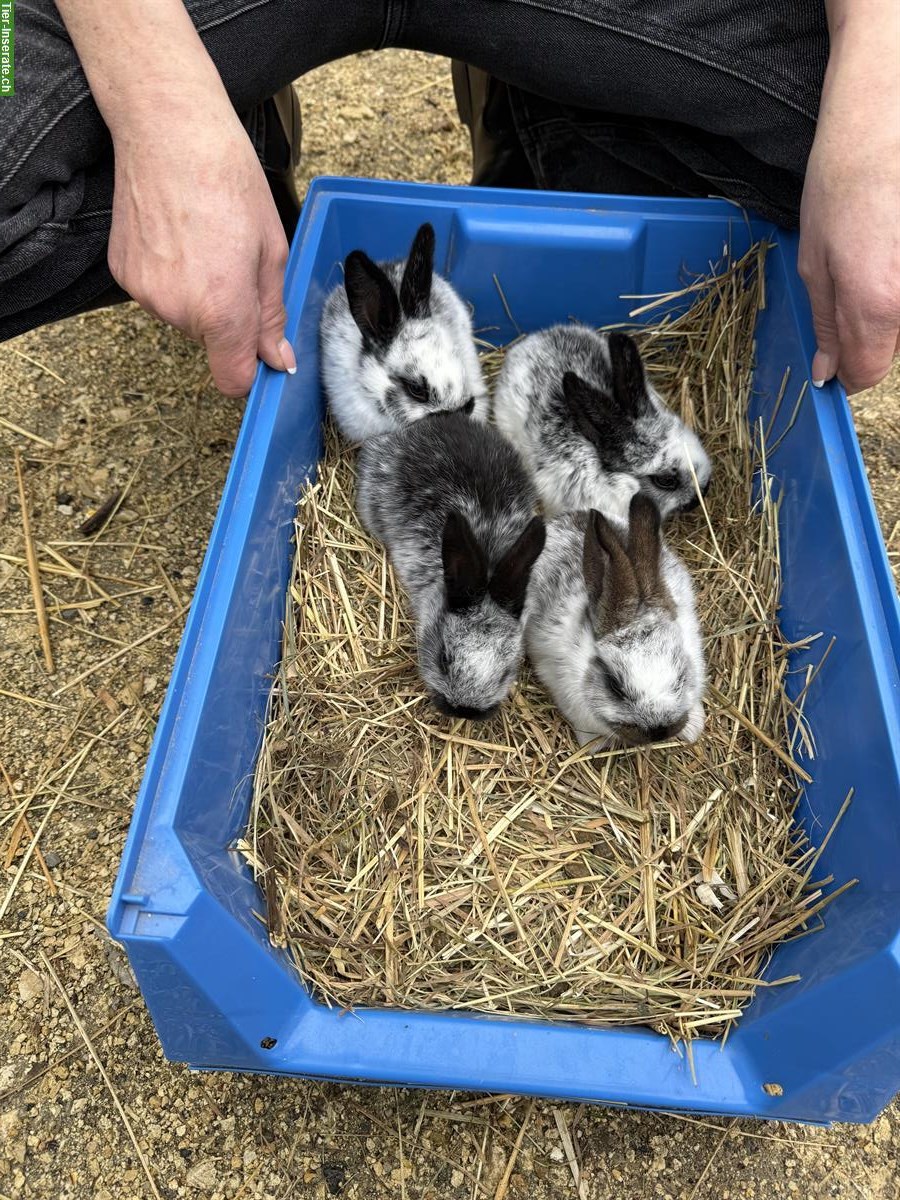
x: 679, y: 97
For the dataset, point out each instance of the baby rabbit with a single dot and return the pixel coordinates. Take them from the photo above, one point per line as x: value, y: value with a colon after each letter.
x: 452, y: 503
x: 612, y: 630
x: 577, y: 406
x: 396, y: 344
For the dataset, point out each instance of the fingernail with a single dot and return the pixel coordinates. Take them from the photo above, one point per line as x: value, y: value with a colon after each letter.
x: 286, y: 350
x: 818, y: 383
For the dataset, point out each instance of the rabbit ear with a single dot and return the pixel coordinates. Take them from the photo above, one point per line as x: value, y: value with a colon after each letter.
x: 645, y: 550
x: 594, y: 561
x: 465, y: 566
x: 373, y: 301
x: 593, y: 411
x: 509, y: 581
x: 629, y: 381
x: 415, y: 287
x: 612, y: 587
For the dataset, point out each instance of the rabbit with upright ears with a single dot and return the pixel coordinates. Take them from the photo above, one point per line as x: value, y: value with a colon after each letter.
x: 396, y: 344
x: 455, y: 508
x: 612, y: 630
x: 578, y: 407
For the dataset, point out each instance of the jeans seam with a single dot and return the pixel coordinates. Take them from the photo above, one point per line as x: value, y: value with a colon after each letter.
x: 232, y: 16
x: 26, y: 154
x: 393, y: 20
x: 563, y: 124
x: 661, y: 44
x: 52, y: 18
x: 637, y: 135
x: 42, y: 235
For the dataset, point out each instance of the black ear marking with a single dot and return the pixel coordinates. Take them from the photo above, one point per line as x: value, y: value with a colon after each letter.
x: 465, y: 566
x: 415, y: 287
x: 629, y: 381
x: 594, y: 560
x: 373, y: 301
x: 509, y: 582
x: 594, y: 412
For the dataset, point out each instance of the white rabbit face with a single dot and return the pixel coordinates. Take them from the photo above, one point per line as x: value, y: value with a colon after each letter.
x: 633, y: 432
x: 612, y: 629
x: 640, y: 679
x: 667, y: 474
x: 422, y: 373
x: 642, y: 682
x: 469, y: 660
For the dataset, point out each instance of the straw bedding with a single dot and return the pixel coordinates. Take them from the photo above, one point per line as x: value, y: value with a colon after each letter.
x: 412, y: 861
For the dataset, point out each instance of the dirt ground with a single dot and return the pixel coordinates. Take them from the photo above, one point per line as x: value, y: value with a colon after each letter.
x: 113, y: 401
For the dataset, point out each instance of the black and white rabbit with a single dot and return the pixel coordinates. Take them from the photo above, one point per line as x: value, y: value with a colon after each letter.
x: 451, y: 501
x: 577, y: 406
x: 396, y: 344
x: 612, y: 629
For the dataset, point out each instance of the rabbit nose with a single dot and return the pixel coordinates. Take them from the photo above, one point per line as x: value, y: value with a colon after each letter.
x: 657, y: 733
x: 648, y: 735
x: 665, y: 733
x: 468, y: 712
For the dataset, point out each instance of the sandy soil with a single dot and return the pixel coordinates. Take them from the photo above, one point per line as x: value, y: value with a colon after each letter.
x: 115, y: 400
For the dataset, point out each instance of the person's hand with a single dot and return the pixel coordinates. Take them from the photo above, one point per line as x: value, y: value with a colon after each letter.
x: 850, y: 216
x: 195, y: 235
x: 196, y: 240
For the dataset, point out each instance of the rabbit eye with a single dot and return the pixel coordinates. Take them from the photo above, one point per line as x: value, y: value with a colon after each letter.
x: 417, y: 390
x: 666, y: 483
x: 469, y: 406
x: 614, y: 685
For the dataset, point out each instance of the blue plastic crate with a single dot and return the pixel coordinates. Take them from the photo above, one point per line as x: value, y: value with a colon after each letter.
x: 184, y: 903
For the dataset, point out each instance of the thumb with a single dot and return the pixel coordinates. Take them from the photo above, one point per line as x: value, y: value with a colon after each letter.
x: 826, y: 360
x: 232, y: 356
x: 273, y: 348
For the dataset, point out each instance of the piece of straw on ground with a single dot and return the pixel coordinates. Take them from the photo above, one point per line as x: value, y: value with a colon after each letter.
x: 412, y: 861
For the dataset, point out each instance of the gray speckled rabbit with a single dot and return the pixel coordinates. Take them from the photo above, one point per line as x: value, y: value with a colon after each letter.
x: 396, y: 344
x: 455, y: 508
x: 612, y: 630
x: 577, y: 406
